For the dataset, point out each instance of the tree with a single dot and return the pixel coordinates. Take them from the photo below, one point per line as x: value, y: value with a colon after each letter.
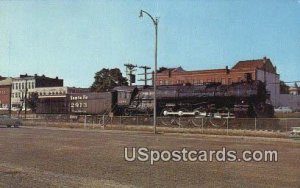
x: 106, y: 79
x: 284, y: 89
x: 161, y: 69
x: 32, y: 101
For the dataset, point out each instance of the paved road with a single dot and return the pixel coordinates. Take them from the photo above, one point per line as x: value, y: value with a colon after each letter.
x: 50, y: 157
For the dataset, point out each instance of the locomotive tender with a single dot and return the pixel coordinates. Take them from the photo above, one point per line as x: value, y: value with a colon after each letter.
x: 243, y: 99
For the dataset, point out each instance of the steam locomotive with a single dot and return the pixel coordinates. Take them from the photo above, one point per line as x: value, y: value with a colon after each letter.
x: 244, y: 99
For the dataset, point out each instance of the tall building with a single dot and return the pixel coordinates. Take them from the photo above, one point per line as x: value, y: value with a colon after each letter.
x: 259, y: 69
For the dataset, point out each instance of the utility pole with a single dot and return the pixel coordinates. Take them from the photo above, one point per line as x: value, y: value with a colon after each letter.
x: 130, y: 69
x: 10, y: 95
x: 145, y: 74
x: 25, y: 102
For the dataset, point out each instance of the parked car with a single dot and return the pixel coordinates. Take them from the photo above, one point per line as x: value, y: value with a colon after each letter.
x: 10, y: 121
x: 283, y: 109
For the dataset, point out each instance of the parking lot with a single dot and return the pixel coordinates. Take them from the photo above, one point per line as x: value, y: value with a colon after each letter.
x: 57, y: 157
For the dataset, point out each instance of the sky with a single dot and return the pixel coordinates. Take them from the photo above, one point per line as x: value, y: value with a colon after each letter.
x: 73, y: 39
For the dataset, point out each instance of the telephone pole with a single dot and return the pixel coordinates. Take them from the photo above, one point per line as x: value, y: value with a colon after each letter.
x: 130, y: 69
x: 25, y: 102
x: 145, y: 74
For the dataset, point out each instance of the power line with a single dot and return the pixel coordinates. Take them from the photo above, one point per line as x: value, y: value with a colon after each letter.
x: 145, y: 74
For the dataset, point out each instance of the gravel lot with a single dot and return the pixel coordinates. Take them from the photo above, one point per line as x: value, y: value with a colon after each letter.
x: 54, y: 157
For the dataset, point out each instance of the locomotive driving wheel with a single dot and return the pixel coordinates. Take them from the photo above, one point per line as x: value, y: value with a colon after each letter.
x: 200, y: 117
x: 217, y: 122
x: 167, y: 120
x: 183, y: 121
x: 218, y: 118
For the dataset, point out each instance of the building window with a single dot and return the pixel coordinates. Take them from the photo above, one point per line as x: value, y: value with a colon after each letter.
x: 239, y: 79
x: 223, y: 81
x: 229, y: 81
x: 32, y: 84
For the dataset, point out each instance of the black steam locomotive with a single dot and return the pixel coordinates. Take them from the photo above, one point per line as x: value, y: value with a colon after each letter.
x: 243, y: 99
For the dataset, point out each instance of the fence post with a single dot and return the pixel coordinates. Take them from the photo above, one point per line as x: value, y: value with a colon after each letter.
x: 286, y: 127
x: 84, y: 121
x: 227, y: 122
x: 93, y: 121
x: 255, y: 123
x: 202, y: 123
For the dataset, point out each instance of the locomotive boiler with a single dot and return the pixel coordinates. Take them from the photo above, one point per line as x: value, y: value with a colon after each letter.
x: 243, y: 99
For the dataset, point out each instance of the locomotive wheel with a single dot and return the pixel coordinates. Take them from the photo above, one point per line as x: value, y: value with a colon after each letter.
x: 197, y: 121
x: 183, y: 121
x: 200, y: 117
x: 167, y: 120
x: 217, y: 122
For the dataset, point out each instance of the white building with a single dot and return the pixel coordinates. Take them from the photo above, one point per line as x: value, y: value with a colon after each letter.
x: 28, y: 84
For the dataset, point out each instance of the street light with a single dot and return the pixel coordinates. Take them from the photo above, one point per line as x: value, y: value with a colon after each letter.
x: 155, y: 22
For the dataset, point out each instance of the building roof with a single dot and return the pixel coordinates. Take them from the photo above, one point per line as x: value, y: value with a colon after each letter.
x: 5, y: 82
x: 164, y: 70
x: 250, y: 64
x: 264, y: 64
x: 2, y: 78
x: 28, y: 77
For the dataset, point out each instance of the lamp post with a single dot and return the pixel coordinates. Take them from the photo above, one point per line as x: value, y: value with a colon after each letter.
x: 155, y: 22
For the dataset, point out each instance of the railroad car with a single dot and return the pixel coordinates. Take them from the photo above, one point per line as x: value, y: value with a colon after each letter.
x: 243, y: 99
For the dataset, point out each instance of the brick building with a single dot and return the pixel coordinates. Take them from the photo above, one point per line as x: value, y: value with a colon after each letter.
x: 5, y: 94
x: 259, y: 69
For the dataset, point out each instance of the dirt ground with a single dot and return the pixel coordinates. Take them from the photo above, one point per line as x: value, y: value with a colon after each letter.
x: 56, y: 157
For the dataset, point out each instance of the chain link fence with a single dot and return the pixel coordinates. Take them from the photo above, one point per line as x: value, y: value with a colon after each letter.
x: 254, y: 124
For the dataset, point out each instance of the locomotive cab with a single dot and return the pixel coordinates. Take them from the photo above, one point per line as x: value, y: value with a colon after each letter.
x: 124, y: 94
